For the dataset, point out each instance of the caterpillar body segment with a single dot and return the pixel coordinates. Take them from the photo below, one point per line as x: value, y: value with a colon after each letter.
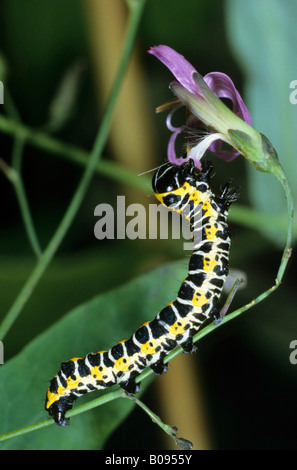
x: 184, y: 189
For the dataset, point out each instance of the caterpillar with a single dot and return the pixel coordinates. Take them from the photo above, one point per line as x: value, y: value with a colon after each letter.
x: 185, y: 189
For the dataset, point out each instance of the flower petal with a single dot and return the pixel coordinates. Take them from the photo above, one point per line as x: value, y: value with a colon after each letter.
x: 171, y: 154
x: 226, y: 155
x: 219, y: 83
x: 223, y: 87
x: 178, y: 65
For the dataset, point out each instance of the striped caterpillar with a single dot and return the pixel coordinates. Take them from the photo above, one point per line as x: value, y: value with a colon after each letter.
x: 184, y: 189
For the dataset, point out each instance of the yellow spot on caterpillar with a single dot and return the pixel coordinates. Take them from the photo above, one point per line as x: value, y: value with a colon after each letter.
x: 61, y: 390
x: 210, y: 232
x: 122, y: 364
x: 71, y: 384
x: 208, y: 209
x: 209, y: 264
x: 98, y: 372
x: 199, y: 299
x: 149, y: 347
x: 178, y: 327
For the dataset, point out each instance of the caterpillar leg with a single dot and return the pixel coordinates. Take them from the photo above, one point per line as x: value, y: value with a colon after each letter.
x: 60, y: 419
x: 130, y: 386
x: 159, y: 367
x: 188, y: 346
x: 215, y: 312
x: 58, y: 409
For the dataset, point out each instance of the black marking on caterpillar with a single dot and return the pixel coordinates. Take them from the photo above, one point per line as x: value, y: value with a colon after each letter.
x: 184, y: 189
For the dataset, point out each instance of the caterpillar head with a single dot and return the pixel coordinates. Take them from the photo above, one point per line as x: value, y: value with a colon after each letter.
x: 170, y: 177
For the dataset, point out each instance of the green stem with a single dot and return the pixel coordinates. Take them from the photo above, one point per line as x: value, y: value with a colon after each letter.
x: 47, y: 255
x: 73, y: 154
x: 285, y: 256
x: 80, y: 409
x: 21, y: 431
x: 22, y: 196
x: 155, y: 418
x: 26, y: 214
x: 288, y: 248
x: 170, y: 430
x: 17, y: 156
x: 15, y: 179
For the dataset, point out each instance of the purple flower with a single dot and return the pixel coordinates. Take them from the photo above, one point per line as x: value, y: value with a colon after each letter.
x: 202, y: 96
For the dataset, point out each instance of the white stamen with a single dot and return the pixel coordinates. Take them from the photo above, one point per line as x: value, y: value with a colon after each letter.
x: 148, y: 171
x: 197, y: 152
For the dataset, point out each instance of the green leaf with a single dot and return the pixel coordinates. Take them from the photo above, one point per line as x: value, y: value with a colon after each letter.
x: 263, y: 36
x: 95, y: 325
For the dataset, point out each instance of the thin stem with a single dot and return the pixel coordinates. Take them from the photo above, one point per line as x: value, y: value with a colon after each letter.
x: 21, y: 431
x: 26, y: 214
x: 47, y: 255
x: 7, y: 170
x: 230, y: 297
x: 17, y: 156
x: 170, y: 430
x: 155, y: 418
x: 80, y: 409
x: 21, y: 196
x: 284, y: 260
x: 73, y: 154
x: 288, y: 248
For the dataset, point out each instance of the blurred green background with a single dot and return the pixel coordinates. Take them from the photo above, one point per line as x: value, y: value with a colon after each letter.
x: 57, y: 62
